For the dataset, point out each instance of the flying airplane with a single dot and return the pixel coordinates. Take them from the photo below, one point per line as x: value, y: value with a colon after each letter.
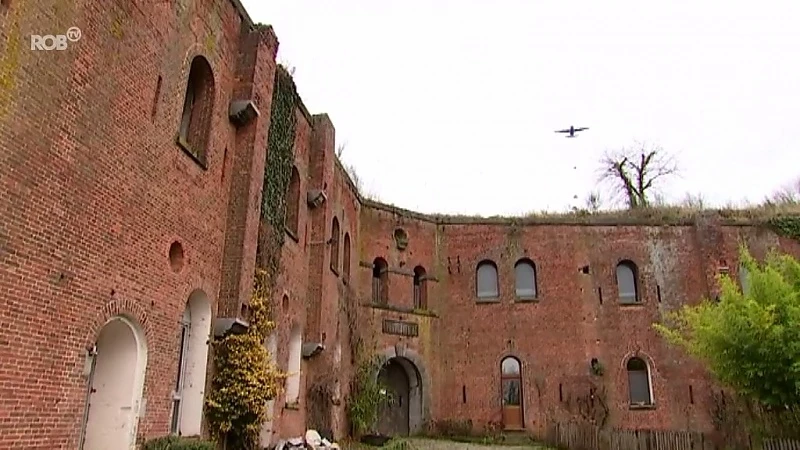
x: 572, y: 130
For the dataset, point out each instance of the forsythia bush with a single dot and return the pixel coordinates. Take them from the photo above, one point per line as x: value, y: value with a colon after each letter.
x: 245, y: 378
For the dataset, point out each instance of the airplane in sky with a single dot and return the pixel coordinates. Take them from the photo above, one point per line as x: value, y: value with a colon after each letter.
x: 572, y: 130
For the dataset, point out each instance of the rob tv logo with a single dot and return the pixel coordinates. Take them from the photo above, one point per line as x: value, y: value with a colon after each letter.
x: 57, y: 42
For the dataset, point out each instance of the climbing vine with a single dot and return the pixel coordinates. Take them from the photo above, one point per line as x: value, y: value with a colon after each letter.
x: 278, y: 171
x: 245, y: 378
x: 367, y: 394
x: 788, y: 226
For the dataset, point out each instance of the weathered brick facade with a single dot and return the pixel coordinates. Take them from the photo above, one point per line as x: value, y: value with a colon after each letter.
x: 104, y: 214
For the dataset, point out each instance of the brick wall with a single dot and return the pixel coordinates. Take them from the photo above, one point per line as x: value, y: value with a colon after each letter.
x: 96, y: 191
x: 557, y: 335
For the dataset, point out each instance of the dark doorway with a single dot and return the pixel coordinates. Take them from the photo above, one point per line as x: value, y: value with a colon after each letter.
x: 393, y: 419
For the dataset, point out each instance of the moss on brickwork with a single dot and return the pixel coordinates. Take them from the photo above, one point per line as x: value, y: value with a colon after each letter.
x: 9, y: 61
x: 116, y: 28
x: 788, y: 226
x: 280, y: 158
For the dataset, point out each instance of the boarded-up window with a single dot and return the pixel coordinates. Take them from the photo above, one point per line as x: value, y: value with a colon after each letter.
x: 346, y: 257
x: 420, y: 288
x: 198, y: 104
x: 293, y: 204
x: 626, y: 282
x: 335, y: 246
x: 525, y: 274
x: 639, y: 382
x: 486, y: 280
x: 380, y: 282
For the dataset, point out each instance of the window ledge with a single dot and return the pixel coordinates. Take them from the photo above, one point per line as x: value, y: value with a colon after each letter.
x: 631, y: 305
x: 642, y: 407
x: 400, y: 309
x: 294, y: 406
x: 527, y: 300
x: 291, y: 234
x: 188, y: 150
x: 487, y: 300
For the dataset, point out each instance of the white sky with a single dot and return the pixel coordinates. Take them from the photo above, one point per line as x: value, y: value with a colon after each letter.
x: 451, y: 106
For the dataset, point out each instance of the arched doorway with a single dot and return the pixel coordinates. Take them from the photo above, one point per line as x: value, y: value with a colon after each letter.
x: 116, y: 383
x: 511, y: 381
x: 401, y: 414
x: 188, y: 396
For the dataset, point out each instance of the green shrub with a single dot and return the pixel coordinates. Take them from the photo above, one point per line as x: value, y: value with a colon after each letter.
x: 178, y: 443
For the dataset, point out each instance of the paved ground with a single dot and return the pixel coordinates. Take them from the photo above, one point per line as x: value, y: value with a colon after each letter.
x: 430, y: 444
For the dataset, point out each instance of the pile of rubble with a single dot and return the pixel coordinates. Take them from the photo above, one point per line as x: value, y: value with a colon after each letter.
x: 312, y: 441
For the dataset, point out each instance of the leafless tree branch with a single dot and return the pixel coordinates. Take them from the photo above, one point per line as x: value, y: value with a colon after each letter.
x: 787, y: 195
x: 633, y: 173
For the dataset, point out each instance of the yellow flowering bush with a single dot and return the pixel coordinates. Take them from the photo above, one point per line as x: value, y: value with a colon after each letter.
x: 245, y: 377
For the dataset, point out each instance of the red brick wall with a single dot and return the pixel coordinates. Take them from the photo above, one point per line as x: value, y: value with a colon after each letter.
x: 556, y: 336
x: 94, y: 191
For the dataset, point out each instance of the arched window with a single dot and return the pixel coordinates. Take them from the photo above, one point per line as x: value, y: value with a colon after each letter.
x: 420, y: 288
x: 198, y: 108
x: 335, y: 246
x: 627, y: 282
x: 511, y: 382
x: 380, y: 281
x: 486, y: 280
x: 346, y: 257
x: 525, y: 274
x: 293, y: 371
x: 639, y: 382
x: 293, y: 204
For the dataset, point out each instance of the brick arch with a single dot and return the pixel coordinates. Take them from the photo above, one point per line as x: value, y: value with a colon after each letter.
x: 651, y: 365
x: 193, y: 51
x: 408, y: 357
x: 119, y: 307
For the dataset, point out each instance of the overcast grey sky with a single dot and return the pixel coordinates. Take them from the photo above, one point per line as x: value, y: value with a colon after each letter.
x: 451, y: 106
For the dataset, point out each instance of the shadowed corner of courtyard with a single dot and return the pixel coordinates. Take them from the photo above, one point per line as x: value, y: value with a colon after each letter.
x: 466, y: 443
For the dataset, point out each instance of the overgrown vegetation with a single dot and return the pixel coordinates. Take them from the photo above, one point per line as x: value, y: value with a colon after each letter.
x: 750, y: 341
x: 280, y: 159
x: 245, y: 377
x: 350, y: 171
x: 367, y: 394
x: 178, y: 443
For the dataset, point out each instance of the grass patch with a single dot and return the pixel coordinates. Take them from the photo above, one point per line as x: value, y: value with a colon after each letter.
x: 656, y: 215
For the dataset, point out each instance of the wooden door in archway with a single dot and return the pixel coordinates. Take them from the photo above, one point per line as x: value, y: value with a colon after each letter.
x: 511, y: 382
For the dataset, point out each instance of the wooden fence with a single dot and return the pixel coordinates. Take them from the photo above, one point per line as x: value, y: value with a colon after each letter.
x: 576, y: 436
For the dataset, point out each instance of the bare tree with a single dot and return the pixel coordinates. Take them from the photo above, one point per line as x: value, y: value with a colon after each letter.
x: 340, y: 150
x: 694, y: 201
x: 787, y: 195
x: 634, y: 173
x: 290, y: 69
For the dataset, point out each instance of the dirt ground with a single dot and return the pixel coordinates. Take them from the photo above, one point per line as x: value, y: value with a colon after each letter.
x: 431, y: 444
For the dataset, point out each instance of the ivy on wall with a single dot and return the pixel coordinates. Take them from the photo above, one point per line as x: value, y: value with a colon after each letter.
x: 245, y: 377
x: 278, y: 170
x: 788, y: 226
